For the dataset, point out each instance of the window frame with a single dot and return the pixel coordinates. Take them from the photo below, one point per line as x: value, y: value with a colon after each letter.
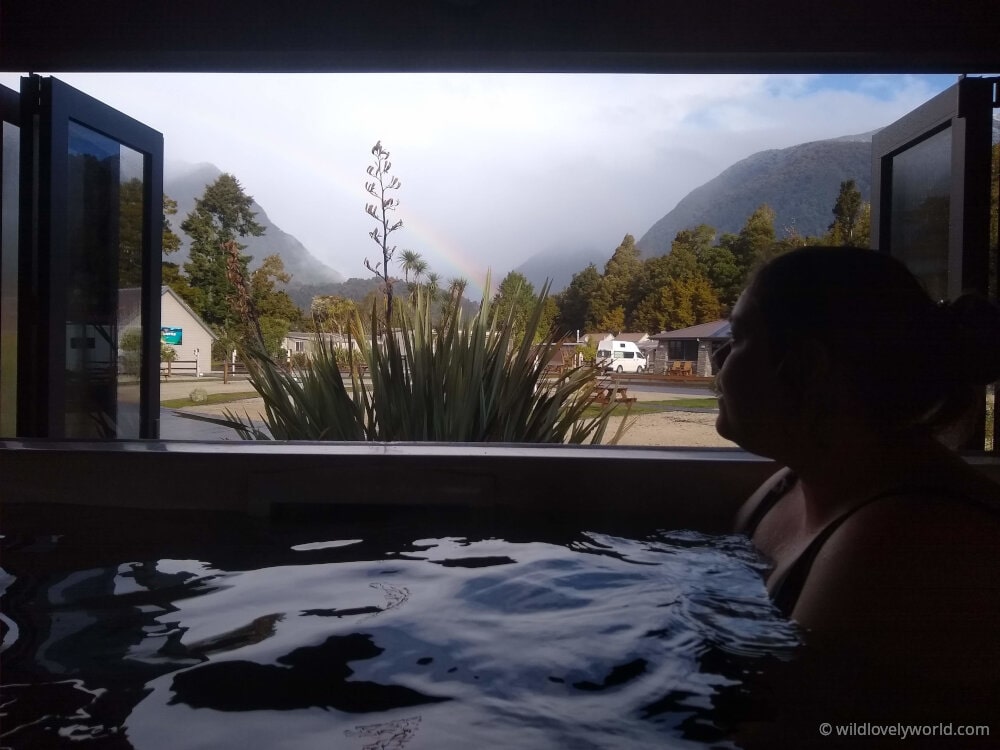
x: 50, y: 105
x: 10, y: 113
x: 966, y: 109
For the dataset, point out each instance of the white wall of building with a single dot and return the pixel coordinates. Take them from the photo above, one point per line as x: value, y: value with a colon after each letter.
x: 196, y: 343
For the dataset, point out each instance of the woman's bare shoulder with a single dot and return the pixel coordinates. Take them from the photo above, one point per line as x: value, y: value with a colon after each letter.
x: 748, y: 508
x: 919, y: 556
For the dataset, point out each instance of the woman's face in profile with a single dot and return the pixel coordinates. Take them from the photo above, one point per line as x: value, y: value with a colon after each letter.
x: 750, y: 405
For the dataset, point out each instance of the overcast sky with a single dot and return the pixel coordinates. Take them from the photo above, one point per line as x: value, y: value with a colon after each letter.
x: 494, y: 168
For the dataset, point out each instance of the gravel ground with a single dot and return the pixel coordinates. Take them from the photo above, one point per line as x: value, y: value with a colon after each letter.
x: 671, y: 428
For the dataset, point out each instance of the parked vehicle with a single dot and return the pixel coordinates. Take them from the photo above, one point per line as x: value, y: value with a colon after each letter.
x: 620, y: 356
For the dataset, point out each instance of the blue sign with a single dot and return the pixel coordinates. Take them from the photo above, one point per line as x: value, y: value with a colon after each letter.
x: 170, y: 335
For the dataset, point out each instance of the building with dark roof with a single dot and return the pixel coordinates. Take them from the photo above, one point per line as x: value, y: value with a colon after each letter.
x: 695, y: 344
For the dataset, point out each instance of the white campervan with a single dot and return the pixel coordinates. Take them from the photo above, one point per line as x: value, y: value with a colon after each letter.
x: 620, y: 356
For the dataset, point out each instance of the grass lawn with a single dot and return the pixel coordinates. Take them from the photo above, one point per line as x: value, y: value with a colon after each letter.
x: 655, y: 407
x: 213, y: 398
x: 709, y: 402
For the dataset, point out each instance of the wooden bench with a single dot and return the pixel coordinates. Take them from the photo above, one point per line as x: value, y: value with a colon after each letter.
x: 681, y: 368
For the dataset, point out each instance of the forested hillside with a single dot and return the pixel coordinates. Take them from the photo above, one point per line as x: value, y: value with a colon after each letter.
x: 354, y: 289
x: 701, y: 276
x: 799, y: 183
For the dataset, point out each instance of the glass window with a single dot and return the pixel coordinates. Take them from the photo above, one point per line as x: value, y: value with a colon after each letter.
x: 9, y: 196
x: 682, y: 350
x: 921, y: 202
x: 104, y: 267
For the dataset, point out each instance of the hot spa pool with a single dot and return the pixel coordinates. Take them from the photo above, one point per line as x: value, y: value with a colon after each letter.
x: 186, y: 631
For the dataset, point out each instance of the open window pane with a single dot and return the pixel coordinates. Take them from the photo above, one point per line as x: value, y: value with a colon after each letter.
x: 131, y: 219
x: 9, y: 197
x: 104, y: 317
x: 91, y: 293
x: 921, y: 200
x: 89, y: 265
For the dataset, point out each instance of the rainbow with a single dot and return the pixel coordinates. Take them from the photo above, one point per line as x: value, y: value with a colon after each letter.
x: 439, y: 244
x: 418, y: 232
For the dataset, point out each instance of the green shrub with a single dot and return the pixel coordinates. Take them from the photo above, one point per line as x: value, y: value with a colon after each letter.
x: 465, y: 382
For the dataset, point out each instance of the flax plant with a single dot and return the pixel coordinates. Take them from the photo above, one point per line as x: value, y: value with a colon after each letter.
x: 465, y: 381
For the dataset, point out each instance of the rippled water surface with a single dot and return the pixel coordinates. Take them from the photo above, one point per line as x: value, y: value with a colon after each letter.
x: 327, y: 640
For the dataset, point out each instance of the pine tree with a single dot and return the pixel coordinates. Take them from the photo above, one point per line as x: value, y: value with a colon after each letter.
x: 718, y: 265
x: 131, y: 215
x: 171, y: 276
x: 514, y: 301
x: 221, y: 216
x: 576, y: 300
x: 675, y: 287
x: 621, y: 275
x: 756, y: 243
x: 847, y: 214
x: 171, y: 242
x: 131, y: 199
x: 679, y: 303
x: 613, y: 321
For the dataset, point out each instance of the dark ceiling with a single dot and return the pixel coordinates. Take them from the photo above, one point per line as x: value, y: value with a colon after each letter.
x: 503, y: 35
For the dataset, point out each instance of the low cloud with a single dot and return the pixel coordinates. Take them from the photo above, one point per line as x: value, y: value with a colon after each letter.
x: 494, y: 168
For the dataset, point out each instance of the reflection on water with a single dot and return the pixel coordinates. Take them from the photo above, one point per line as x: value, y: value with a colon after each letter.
x: 323, y: 637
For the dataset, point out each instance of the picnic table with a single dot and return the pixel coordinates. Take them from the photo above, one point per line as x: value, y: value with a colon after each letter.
x: 605, y: 393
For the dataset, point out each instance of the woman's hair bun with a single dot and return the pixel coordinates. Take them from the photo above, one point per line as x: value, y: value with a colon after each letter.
x: 973, y: 324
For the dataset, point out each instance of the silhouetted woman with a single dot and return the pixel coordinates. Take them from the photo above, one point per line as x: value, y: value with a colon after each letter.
x: 885, y: 543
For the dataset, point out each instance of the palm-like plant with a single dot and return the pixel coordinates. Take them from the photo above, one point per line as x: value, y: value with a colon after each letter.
x: 419, y: 269
x: 408, y: 260
x: 456, y: 286
x: 432, y: 288
x: 453, y: 297
x: 314, y: 404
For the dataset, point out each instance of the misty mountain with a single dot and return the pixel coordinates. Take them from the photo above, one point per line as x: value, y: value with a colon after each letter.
x: 559, y: 266
x: 800, y: 183
x: 185, y: 183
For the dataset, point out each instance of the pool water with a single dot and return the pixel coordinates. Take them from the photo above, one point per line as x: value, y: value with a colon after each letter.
x: 327, y: 636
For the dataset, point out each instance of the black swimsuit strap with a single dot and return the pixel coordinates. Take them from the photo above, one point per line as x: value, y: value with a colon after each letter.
x: 786, y: 591
x: 781, y: 488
